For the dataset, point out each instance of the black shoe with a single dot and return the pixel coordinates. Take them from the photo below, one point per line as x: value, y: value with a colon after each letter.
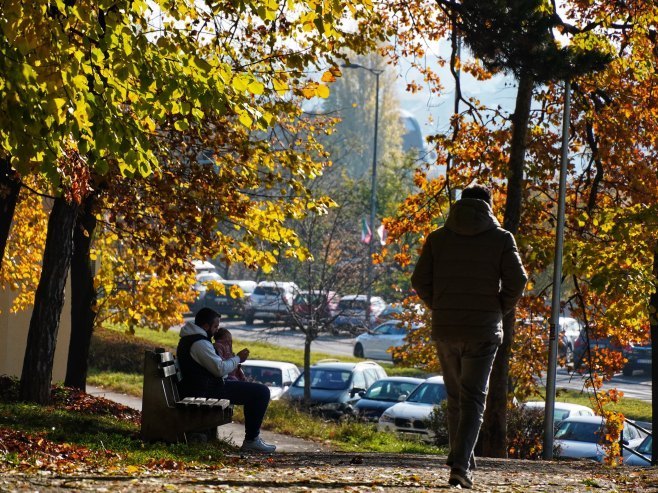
x: 463, y: 479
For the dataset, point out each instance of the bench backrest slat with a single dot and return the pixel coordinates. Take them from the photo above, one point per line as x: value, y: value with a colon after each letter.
x: 169, y: 370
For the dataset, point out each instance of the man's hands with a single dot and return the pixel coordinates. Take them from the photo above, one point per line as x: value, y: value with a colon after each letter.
x: 243, y: 355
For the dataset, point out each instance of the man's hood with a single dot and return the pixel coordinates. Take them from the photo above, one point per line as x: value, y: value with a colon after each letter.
x: 471, y: 217
x: 190, y: 328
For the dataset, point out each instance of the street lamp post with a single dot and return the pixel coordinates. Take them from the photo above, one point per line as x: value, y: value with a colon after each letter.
x: 554, y: 325
x: 373, y: 185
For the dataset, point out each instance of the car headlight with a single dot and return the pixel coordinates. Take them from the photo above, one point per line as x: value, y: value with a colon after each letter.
x: 386, y: 418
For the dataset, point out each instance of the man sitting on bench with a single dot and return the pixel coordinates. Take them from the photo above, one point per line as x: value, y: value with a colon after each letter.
x: 203, y: 373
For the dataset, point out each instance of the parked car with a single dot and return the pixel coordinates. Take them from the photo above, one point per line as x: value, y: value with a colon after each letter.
x: 203, y: 277
x: 320, y: 305
x: 277, y: 375
x: 225, y: 304
x: 580, y: 437
x: 393, y: 311
x: 580, y: 352
x: 376, y: 342
x: 639, y: 358
x: 270, y: 300
x: 644, y: 448
x: 411, y: 416
x: 203, y: 267
x: 561, y: 410
x: 336, y: 386
x: 383, y: 394
x: 352, y: 312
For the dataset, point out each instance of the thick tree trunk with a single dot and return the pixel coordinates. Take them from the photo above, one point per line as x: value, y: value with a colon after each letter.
x: 653, y: 323
x: 9, y: 189
x: 494, y: 429
x: 83, y: 297
x: 48, y: 303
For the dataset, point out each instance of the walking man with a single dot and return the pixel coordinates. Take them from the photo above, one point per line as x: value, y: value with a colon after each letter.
x: 470, y: 275
x: 204, y: 374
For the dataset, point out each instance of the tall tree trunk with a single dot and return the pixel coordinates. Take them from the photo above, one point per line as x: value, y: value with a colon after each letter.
x: 83, y: 297
x: 48, y: 303
x: 494, y: 430
x: 10, y: 187
x: 653, y: 323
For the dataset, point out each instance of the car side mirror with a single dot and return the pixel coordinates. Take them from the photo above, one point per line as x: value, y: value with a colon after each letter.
x: 402, y: 397
x: 357, y: 390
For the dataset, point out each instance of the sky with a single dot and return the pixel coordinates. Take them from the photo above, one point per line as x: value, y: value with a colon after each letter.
x: 433, y: 112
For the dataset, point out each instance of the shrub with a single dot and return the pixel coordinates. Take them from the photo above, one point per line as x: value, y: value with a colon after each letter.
x: 438, y: 424
x: 525, y: 431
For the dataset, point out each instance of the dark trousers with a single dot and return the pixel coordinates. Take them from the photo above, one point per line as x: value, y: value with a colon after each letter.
x: 255, y: 397
x: 466, y: 369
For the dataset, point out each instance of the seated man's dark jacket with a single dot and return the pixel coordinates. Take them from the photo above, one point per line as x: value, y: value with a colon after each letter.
x: 197, y: 381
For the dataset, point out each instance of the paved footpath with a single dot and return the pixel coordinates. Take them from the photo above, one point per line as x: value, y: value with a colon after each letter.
x: 319, y: 469
x: 233, y: 432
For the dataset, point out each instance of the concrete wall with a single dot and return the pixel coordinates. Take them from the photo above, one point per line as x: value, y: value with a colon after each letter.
x: 13, y: 336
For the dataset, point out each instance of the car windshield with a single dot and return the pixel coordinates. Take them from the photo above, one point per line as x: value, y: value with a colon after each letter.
x: 261, y: 374
x: 645, y: 446
x: 352, y: 304
x: 268, y: 290
x: 579, y: 432
x: 389, y: 391
x: 307, y: 299
x: 428, y: 393
x: 326, y: 379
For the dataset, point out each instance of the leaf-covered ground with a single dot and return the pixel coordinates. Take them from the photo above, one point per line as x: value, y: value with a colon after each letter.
x: 39, y: 459
x: 338, y: 472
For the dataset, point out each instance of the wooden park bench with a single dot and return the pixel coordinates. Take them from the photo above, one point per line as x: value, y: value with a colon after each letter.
x: 165, y: 416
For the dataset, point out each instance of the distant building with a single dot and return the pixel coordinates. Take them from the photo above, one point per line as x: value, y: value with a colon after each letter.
x: 413, y: 139
x: 413, y: 135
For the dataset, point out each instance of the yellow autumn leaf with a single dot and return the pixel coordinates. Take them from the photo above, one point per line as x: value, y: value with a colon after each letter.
x: 323, y: 91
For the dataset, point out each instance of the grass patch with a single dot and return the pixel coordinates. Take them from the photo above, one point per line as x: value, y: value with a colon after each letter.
x: 630, y: 408
x: 348, y: 436
x: 125, y: 383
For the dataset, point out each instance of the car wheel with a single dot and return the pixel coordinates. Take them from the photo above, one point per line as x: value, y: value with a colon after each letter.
x: 249, y: 319
x: 358, y: 351
x: 627, y: 371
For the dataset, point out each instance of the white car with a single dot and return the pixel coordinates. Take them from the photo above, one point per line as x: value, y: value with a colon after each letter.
x: 580, y: 437
x: 411, y: 416
x: 562, y: 410
x: 277, y: 375
x: 271, y: 300
x: 374, y: 344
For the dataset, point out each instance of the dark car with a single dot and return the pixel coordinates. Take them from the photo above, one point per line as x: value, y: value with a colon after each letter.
x: 639, y: 358
x: 581, y: 353
x: 319, y: 305
x: 226, y: 304
x: 336, y: 386
x: 383, y: 394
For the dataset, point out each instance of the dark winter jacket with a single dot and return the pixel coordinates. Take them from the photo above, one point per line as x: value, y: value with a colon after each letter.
x: 470, y: 274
